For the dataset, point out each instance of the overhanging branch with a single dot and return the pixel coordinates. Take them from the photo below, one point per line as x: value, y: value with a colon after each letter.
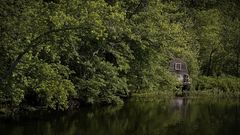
x: 34, y: 43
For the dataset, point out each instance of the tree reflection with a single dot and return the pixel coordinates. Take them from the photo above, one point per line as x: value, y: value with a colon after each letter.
x: 179, y: 116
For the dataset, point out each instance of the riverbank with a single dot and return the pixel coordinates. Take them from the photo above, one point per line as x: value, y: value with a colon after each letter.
x: 204, y: 87
x: 160, y: 96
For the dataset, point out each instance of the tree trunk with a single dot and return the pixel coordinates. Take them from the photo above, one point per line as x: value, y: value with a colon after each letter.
x: 238, y: 55
x: 209, y: 64
x: 209, y: 67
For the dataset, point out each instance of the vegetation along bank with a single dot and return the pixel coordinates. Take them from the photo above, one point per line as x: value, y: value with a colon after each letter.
x: 58, y: 54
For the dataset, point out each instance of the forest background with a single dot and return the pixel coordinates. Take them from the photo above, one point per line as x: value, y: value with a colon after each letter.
x: 54, y: 53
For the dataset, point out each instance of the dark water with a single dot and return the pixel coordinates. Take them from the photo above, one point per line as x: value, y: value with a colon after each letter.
x: 173, y: 117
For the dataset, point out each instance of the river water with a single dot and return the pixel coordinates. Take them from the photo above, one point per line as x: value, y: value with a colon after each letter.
x: 179, y: 116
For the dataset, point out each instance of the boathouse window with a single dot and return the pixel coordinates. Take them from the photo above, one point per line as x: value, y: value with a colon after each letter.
x: 178, y: 66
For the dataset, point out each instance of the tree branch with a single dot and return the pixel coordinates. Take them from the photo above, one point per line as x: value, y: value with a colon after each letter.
x: 34, y: 43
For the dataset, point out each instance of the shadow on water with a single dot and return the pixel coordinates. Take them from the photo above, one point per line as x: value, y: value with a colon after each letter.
x: 179, y: 116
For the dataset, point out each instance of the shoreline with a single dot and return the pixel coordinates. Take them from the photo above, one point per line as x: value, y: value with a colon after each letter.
x: 24, y: 110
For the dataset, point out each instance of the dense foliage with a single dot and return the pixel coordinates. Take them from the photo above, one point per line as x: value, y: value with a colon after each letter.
x: 229, y: 85
x: 100, y: 51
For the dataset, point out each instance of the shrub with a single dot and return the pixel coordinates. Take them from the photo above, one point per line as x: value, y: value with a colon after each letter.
x: 221, y: 84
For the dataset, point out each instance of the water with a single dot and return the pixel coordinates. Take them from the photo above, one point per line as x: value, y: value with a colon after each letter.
x: 173, y: 117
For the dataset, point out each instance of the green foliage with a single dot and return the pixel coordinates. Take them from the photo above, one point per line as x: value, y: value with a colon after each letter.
x: 157, y: 37
x: 214, y: 22
x: 51, y: 86
x: 101, y: 51
x: 219, y: 84
x: 103, y: 83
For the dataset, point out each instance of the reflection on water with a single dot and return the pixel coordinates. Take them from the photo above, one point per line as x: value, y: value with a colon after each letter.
x: 179, y: 116
x: 180, y: 105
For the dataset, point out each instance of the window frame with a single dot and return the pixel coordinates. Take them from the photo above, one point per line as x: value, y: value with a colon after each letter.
x: 178, y: 66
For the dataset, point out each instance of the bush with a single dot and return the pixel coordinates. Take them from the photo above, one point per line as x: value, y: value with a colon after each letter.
x: 221, y: 84
x: 103, y: 85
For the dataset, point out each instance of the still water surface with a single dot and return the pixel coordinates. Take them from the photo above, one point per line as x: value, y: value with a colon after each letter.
x: 174, y: 117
